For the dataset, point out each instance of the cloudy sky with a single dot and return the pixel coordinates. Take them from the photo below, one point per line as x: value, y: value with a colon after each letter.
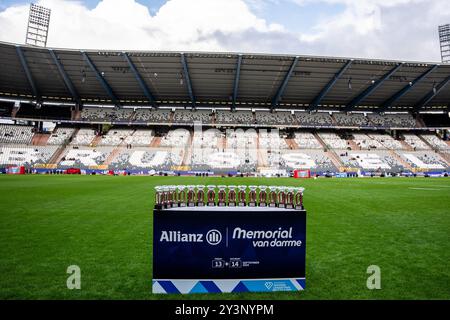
x: 385, y: 29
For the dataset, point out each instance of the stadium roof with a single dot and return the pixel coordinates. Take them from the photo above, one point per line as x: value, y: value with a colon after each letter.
x: 144, y: 78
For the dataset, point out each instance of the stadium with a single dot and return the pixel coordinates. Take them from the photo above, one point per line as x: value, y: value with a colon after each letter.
x: 326, y: 115
x: 86, y: 135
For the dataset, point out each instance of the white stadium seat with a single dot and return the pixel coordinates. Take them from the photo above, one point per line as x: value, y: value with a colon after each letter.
x: 25, y: 155
x: 16, y: 134
x: 60, y: 136
x: 106, y: 114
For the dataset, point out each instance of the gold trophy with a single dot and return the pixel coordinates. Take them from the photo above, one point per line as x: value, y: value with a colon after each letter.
x: 232, y: 196
x: 181, y: 196
x: 200, y: 195
x: 281, y: 197
x: 298, y: 198
x: 290, y: 198
x: 222, y: 196
x: 159, y: 197
x: 242, y: 195
x: 252, y: 196
x: 172, y: 196
x: 166, y: 203
x: 273, y: 198
x: 211, y: 195
x: 263, y: 196
x: 191, y: 196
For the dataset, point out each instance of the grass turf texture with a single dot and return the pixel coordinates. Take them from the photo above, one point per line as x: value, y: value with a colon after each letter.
x: 103, y: 224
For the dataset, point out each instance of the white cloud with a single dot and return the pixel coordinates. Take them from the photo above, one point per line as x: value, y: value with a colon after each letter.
x: 126, y: 24
x: 395, y: 29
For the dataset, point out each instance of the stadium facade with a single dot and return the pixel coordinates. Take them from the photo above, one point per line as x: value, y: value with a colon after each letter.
x: 141, y: 112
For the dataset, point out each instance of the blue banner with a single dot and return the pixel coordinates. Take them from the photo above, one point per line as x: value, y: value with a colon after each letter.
x: 204, y: 249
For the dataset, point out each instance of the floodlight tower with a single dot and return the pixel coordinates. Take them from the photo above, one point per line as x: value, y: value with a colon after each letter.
x: 38, y: 25
x: 444, y: 39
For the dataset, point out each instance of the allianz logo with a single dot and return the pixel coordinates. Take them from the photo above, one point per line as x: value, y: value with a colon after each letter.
x: 213, y: 237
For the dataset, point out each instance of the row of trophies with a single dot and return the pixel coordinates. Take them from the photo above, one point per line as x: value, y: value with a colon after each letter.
x: 231, y: 196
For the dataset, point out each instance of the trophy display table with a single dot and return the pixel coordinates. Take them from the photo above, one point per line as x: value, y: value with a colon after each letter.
x: 214, y: 248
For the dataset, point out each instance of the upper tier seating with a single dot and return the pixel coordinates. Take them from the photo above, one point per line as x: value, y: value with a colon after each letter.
x: 60, y: 136
x: 106, y: 114
x: 188, y: 116
x: 83, y: 137
x: 274, y: 118
x: 115, y: 137
x: 316, y: 119
x: 392, y: 120
x: 25, y: 155
x: 306, y: 140
x: 415, y: 142
x: 350, y: 120
x: 16, y: 134
x: 333, y: 141
x: 153, y: 116
x: 237, y: 117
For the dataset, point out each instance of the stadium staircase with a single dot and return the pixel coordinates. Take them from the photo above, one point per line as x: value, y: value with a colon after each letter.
x: 222, y: 143
x: 406, y: 146
x: 446, y: 157
x: 420, y: 123
x: 400, y: 160
x: 292, y: 144
x: 14, y: 111
x: 370, y: 122
x: 156, y: 142
x: 58, y: 155
x: 333, y: 121
x: 426, y: 142
x: 114, y: 153
x: 132, y: 118
x: 40, y: 139
x: 330, y: 153
x: 187, y: 152
x: 353, y: 145
x: 75, y: 115
x: 96, y: 141
x: 443, y: 155
x: 261, y: 158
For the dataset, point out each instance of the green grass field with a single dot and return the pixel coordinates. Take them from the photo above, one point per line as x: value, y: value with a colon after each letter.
x: 103, y: 224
